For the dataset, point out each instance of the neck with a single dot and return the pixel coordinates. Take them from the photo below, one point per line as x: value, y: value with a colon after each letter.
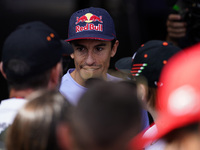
x: 20, y: 93
x: 77, y: 79
x: 153, y: 113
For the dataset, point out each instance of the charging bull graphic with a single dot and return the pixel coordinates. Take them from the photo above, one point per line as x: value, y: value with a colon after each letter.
x: 89, y: 18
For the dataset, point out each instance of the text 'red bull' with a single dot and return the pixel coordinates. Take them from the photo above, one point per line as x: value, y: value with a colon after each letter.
x: 88, y: 18
x: 88, y: 27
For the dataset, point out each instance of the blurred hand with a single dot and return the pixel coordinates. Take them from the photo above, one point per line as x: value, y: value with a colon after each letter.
x: 175, y: 28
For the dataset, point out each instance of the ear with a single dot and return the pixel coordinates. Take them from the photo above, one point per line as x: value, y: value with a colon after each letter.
x: 1, y: 69
x: 142, y: 93
x: 63, y: 137
x: 72, y: 55
x: 55, y: 76
x: 114, y: 48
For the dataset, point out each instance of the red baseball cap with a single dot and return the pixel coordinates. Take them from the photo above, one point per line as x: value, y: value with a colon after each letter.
x: 178, y: 100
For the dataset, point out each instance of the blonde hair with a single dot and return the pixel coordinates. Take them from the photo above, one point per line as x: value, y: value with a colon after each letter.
x: 35, y: 124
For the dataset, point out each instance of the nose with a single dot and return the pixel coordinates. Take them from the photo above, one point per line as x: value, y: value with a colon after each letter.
x: 90, y: 60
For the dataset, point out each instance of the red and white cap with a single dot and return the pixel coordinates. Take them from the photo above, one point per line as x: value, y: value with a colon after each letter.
x: 178, y: 100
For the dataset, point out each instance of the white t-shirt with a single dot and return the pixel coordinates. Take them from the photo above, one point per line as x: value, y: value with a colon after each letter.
x: 8, y: 111
x: 72, y: 90
x: 154, y: 145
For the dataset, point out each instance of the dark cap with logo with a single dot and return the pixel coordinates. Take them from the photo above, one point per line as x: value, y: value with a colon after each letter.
x: 91, y: 23
x: 34, y: 44
x: 149, y: 60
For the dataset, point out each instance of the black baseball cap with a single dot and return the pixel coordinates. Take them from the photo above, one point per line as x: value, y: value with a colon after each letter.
x: 148, y: 60
x: 35, y: 44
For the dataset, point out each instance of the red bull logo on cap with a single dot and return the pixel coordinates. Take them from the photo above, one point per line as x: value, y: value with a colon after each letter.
x: 89, y: 18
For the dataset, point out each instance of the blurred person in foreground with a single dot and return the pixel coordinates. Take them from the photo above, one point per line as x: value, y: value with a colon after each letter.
x: 145, y: 67
x: 178, y: 120
x: 37, y: 124
x: 31, y: 61
x: 106, y: 117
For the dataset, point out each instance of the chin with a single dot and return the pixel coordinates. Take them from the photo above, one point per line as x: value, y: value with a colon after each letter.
x: 90, y: 74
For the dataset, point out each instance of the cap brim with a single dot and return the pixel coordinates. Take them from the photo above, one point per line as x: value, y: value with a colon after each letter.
x: 124, y: 64
x: 145, y: 139
x: 67, y: 49
x: 91, y: 36
x: 165, y: 124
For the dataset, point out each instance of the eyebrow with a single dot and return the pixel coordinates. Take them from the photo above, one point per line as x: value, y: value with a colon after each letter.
x: 101, y: 44
x: 76, y: 44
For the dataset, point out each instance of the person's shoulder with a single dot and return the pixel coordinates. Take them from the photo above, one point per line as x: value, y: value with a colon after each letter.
x: 70, y: 88
x: 68, y: 83
x: 8, y: 110
x: 12, y: 103
x: 66, y: 78
x: 113, y: 78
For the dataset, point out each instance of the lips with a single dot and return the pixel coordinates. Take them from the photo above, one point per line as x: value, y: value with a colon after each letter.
x: 90, y: 72
x: 90, y: 68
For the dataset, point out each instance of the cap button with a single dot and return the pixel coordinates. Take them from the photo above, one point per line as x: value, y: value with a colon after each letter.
x: 164, y: 62
x: 145, y: 55
x: 165, y: 43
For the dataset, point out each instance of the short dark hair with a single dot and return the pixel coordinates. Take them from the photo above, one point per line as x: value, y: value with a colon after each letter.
x: 105, y: 113
x: 17, y: 77
x: 113, y: 43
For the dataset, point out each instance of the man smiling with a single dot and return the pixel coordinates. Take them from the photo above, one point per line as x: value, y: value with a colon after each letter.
x: 92, y: 36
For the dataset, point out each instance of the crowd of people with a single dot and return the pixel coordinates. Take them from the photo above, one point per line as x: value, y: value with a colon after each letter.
x: 154, y: 106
